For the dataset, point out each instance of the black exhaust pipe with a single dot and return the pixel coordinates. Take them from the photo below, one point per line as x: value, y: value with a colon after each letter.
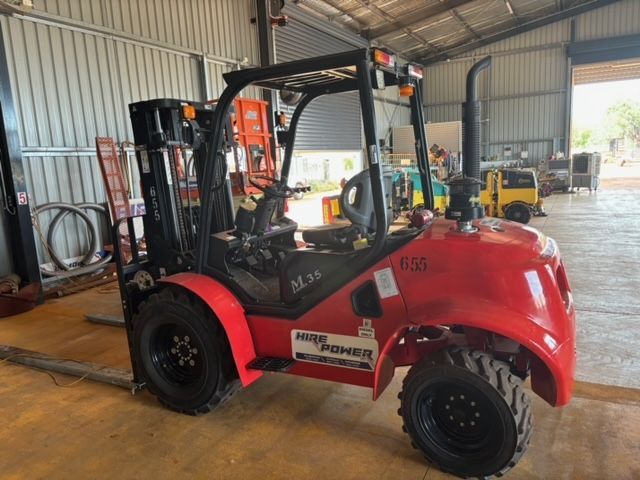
x: 464, y: 196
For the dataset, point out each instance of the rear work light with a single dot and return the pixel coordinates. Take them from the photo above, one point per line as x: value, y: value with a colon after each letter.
x: 406, y: 90
x: 383, y: 58
x: 414, y: 71
x: 189, y: 112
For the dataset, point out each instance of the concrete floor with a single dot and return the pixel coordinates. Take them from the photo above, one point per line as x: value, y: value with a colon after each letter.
x: 285, y: 427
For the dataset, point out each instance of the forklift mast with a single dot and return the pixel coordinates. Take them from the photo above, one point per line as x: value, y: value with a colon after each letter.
x: 173, y: 141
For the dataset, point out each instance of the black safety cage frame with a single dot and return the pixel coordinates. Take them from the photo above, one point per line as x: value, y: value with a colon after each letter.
x: 331, y: 74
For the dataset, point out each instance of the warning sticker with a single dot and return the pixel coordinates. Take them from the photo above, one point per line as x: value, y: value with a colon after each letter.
x: 366, y: 330
x: 338, y: 350
x: 386, y: 283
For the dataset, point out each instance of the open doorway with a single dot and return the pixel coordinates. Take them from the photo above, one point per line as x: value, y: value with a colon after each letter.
x: 605, y: 120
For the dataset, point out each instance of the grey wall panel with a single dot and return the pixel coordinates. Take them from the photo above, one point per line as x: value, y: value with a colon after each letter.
x: 144, y: 73
x: 389, y: 115
x: 525, y: 92
x: 71, y: 85
x: 445, y: 82
x: 219, y: 27
x: 550, y: 34
x: 392, y: 110
x: 443, y: 113
x: 65, y: 179
x: 620, y: 18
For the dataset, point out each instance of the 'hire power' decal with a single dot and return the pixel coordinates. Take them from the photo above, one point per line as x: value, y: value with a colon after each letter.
x: 338, y: 350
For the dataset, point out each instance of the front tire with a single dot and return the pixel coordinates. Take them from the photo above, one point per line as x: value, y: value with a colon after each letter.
x: 466, y: 413
x: 182, y: 353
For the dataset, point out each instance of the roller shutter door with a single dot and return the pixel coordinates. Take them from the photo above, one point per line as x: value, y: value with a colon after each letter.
x: 330, y: 122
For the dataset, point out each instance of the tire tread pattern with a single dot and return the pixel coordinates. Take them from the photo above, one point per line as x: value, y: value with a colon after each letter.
x: 493, y: 371
x: 228, y: 375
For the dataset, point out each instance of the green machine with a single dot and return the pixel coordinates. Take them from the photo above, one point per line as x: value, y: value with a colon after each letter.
x: 407, y: 190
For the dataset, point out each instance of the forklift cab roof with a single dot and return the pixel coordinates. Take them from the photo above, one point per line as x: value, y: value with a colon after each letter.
x: 321, y: 75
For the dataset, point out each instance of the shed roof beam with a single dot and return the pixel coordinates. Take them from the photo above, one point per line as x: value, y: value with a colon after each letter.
x: 500, y: 34
x: 465, y: 25
x: 417, y: 16
x: 512, y: 11
x: 337, y: 8
x: 377, y: 11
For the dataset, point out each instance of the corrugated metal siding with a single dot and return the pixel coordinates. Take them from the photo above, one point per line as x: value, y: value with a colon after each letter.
x: 524, y: 93
x: 620, y: 18
x: 219, y: 27
x: 70, y: 86
x: 332, y: 122
x: 392, y: 110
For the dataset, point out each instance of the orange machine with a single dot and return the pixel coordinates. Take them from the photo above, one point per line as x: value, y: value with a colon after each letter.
x: 253, y: 155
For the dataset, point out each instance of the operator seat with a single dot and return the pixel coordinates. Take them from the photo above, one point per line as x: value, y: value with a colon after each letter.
x: 356, y: 205
x: 331, y: 246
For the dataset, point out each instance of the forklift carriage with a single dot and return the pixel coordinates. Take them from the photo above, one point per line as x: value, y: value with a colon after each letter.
x: 212, y: 299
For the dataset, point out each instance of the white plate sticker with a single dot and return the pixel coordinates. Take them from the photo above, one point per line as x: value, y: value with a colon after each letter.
x: 491, y: 222
x: 167, y: 166
x: 337, y: 350
x: 366, y: 330
x: 386, y: 283
x: 144, y: 160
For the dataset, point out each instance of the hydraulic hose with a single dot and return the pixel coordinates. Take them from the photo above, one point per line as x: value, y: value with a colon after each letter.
x: 94, y: 240
x: 53, y: 229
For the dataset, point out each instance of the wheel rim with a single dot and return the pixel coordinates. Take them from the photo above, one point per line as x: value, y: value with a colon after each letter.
x: 176, y: 354
x: 460, y: 420
x: 517, y: 213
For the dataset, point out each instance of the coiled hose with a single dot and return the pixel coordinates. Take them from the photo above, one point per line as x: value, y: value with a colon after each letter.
x: 94, y: 239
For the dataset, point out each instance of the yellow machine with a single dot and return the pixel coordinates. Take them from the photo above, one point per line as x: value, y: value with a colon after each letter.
x: 511, y: 193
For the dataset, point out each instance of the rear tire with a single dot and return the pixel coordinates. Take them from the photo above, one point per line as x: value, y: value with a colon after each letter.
x: 182, y: 353
x: 518, y: 212
x: 466, y: 413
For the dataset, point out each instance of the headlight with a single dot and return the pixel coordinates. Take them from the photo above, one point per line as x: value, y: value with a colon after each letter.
x: 550, y: 248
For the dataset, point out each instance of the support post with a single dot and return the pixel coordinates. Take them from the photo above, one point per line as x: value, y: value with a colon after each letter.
x: 23, y: 247
x: 266, y: 42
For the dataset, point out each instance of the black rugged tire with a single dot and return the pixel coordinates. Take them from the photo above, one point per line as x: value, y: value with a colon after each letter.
x: 215, y: 379
x: 518, y: 212
x: 482, y: 373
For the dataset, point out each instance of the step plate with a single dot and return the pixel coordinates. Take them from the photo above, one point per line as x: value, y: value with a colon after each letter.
x: 272, y: 364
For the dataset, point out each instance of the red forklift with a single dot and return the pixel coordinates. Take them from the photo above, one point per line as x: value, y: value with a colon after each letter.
x: 474, y: 306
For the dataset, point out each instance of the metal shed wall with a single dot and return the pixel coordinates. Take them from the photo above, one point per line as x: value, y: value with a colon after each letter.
x: 330, y: 122
x: 76, y: 65
x: 525, y: 95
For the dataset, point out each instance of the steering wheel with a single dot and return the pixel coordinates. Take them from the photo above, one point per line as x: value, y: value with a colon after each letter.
x: 274, y: 188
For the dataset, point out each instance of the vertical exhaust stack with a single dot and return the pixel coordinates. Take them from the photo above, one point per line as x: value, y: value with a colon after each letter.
x: 464, y: 195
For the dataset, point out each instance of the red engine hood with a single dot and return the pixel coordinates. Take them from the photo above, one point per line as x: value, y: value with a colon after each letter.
x: 509, y: 241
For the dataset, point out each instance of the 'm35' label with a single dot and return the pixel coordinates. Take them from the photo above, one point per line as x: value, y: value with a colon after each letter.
x: 304, y: 280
